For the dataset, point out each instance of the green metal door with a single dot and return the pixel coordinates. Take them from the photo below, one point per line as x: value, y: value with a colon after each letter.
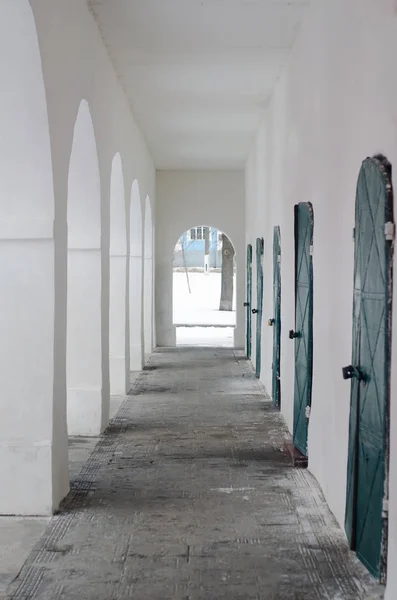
x: 366, y: 513
x: 303, y: 334
x: 259, y: 302
x: 275, y: 322
x: 248, y: 302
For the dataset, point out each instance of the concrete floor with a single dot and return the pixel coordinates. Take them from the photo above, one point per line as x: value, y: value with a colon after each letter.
x: 188, y: 496
x: 18, y: 535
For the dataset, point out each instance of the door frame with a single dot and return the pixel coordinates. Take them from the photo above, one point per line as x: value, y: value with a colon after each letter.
x: 293, y: 334
x: 352, y: 499
x: 275, y: 322
x: 248, y: 302
x: 260, y: 246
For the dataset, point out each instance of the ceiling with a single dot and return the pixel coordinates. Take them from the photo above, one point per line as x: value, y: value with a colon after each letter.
x: 198, y: 73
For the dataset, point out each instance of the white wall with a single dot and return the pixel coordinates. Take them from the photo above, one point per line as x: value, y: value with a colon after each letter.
x: 148, y: 280
x: 334, y: 106
x: 33, y: 315
x: 119, y: 362
x: 186, y: 199
x: 135, y: 281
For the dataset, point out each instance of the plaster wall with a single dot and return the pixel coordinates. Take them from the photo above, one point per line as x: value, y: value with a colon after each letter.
x: 330, y: 110
x: 119, y: 365
x: 33, y: 320
x: 135, y: 281
x: 148, y: 281
x: 185, y: 199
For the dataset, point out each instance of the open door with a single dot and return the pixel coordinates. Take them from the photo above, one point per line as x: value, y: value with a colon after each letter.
x: 303, y: 333
x: 367, y: 485
x: 248, y: 302
x: 275, y: 321
x: 259, y: 301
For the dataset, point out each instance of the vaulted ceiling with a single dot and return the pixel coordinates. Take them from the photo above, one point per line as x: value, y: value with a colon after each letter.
x: 198, y: 73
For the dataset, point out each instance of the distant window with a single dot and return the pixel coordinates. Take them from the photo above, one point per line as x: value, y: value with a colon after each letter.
x: 197, y: 233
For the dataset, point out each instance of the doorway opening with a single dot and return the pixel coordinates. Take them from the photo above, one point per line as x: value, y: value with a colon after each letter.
x: 204, y: 288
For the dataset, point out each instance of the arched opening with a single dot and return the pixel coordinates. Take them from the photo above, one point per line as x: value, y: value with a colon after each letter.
x: 204, y: 288
x: 87, y: 413
x: 148, y: 281
x: 118, y: 282
x: 136, y: 281
x: 33, y: 442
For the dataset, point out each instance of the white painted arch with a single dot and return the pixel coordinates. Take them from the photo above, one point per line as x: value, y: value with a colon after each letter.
x: 87, y: 412
x: 33, y: 443
x: 186, y: 197
x: 148, y: 287
x: 118, y: 281
x: 201, y: 305
x: 136, y: 280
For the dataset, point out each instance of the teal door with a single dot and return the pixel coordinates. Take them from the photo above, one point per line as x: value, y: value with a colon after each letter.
x: 259, y: 303
x: 303, y: 333
x: 275, y: 321
x: 248, y: 302
x: 366, y: 521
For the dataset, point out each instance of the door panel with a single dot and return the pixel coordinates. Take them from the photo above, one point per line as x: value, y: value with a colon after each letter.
x: 248, y: 302
x: 303, y: 334
x: 276, y: 321
x: 259, y: 300
x: 370, y: 370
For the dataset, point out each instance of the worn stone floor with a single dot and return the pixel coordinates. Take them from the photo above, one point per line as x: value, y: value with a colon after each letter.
x: 188, y: 496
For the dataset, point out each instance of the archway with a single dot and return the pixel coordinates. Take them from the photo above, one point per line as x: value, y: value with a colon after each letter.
x: 33, y: 442
x: 118, y: 282
x: 136, y: 281
x: 87, y: 412
x: 148, y: 281
x: 204, y: 290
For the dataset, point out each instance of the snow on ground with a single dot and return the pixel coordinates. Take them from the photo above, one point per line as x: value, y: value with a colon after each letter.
x: 201, y: 307
x: 219, y: 337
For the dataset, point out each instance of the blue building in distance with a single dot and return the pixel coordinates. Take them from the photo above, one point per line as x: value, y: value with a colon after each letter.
x: 189, y: 249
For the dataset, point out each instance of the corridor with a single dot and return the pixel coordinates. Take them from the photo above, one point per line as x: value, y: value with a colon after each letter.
x: 188, y: 495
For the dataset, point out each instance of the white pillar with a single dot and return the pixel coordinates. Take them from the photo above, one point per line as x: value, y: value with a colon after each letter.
x: 33, y: 445
x: 33, y: 439
x: 118, y: 324
x: 136, y: 349
x: 148, y: 304
x: 87, y: 413
x: 165, y: 329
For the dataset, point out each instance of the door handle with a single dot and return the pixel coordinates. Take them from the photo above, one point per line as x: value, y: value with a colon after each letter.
x: 254, y: 311
x: 246, y: 304
x: 293, y: 334
x: 351, y: 372
x: 271, y: 322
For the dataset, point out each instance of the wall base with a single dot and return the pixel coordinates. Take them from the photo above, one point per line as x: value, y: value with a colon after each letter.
x: 118, y: 375
x: 86, y: 413
x: 25, y: 468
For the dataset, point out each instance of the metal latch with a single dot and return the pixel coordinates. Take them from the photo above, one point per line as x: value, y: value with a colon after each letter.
x: 389, y: 231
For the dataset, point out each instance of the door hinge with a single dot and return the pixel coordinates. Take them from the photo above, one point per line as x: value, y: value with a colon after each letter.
x: 389, y: 231
x: 307, y: 412
x: 385, y: 508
